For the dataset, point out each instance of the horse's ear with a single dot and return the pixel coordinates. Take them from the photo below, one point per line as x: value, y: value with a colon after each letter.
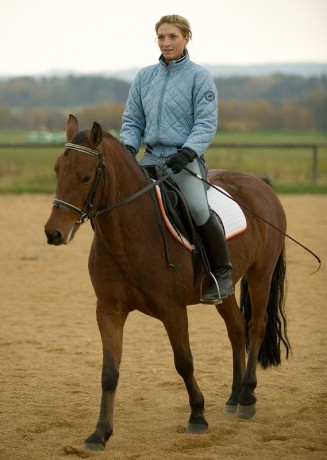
x: 95, y: 136
x: 71, y: 128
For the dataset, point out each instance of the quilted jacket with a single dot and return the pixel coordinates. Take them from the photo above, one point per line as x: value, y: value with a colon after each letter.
x: 173, y: 105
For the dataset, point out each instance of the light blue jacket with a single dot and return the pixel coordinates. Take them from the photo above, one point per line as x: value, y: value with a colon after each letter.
x: 171, y: 106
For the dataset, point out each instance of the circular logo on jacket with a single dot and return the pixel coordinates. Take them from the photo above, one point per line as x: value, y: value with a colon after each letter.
x: 209, y: 96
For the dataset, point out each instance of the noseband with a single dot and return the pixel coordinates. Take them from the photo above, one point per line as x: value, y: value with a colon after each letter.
x: 85, y: 212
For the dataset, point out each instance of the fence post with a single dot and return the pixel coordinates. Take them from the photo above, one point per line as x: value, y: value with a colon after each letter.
x: 314, y: 164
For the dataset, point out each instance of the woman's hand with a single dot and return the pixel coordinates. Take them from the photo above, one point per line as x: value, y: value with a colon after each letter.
x: 179, y: 160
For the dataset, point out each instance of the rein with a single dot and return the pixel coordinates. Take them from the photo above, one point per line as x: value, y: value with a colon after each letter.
x: 101, y: 169
x: 131, y: 197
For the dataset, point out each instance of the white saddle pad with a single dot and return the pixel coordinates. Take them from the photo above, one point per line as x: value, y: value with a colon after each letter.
x: 228, y: 210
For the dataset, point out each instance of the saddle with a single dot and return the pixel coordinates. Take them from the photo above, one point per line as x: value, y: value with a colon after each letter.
x: 179, y: 216
x: 174, y: 205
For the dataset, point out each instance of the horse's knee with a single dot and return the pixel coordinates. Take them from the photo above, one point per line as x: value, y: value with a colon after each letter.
x: 257, y: 330
x: 184, y: 366
x: 110, y: 375
x: 110, y: 379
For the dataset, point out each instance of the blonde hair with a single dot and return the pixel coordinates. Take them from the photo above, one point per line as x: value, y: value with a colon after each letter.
x: 178, y: 21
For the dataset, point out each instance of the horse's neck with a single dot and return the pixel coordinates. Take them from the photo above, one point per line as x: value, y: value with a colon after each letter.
x: 125, y: 178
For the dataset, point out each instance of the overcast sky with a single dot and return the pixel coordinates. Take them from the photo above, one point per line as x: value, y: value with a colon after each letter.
x: 91, y: 36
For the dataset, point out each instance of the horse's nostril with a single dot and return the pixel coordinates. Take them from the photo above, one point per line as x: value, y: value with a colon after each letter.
x: 55, y: 238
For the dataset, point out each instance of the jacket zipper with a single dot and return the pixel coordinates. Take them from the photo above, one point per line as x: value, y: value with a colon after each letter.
x: 160, y: 102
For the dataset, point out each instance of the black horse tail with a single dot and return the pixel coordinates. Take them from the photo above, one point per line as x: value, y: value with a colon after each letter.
x: 276, y: 328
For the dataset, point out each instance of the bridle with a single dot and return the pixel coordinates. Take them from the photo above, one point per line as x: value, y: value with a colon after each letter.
x: 85, y: 212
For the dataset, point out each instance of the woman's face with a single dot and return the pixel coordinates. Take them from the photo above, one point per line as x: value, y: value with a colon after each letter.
x: 171, y: 42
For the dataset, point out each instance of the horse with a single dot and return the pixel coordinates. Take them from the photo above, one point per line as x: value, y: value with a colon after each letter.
x: 100, y: 181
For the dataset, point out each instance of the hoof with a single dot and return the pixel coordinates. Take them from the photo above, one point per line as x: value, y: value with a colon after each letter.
x: 230, y: 408
x: 246, y: 411
x: 197, y: 428
x: 94, y: 442
x: 94, y: 447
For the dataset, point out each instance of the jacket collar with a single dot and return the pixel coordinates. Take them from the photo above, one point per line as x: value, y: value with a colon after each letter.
x: 175, y: 63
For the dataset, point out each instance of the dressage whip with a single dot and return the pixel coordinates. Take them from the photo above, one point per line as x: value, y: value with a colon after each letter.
x: 256, y: 215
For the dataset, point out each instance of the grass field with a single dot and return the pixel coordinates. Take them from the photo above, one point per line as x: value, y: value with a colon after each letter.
x: 30, y: 169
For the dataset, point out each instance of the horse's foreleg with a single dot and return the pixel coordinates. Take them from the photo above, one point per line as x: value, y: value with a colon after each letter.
x: 235, y: 325
x: 177, y: 329
x: 111, y: 330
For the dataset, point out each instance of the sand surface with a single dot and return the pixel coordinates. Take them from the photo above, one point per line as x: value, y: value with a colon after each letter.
x: 51, y: 357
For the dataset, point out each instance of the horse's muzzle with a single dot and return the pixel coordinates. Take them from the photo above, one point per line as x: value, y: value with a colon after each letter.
x: 54, y: 238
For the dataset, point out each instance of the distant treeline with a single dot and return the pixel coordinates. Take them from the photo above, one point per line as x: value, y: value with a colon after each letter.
x: 276, y: 102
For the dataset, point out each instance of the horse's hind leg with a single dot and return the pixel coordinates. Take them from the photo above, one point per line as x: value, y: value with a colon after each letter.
x: 177, y: 329
x: 111, y: 330
x: 259, y: 288
x: 235, y: 325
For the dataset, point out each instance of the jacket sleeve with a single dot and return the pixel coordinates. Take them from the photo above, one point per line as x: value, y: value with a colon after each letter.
x: 205, y: 105
x: 133, y: 117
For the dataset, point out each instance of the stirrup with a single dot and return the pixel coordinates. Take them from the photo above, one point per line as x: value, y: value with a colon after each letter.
x: 216, y: 301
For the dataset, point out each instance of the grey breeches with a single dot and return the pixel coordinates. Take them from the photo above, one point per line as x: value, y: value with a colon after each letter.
x: 193, y: 189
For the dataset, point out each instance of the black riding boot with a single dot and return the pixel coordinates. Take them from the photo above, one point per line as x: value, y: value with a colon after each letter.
x: 213, y: 238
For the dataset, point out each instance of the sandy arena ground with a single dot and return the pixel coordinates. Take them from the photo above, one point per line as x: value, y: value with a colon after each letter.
x: 51, y: 357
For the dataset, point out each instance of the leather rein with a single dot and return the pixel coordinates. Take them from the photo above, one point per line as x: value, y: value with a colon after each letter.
x: 85, y: 212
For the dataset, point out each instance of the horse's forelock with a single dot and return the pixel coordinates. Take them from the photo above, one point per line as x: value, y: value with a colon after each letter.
x: 80, y: 137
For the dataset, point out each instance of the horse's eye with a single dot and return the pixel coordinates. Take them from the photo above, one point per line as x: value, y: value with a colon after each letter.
x: 86, y: 178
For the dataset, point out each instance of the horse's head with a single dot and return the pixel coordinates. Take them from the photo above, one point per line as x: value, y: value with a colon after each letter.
x: 78, y: 171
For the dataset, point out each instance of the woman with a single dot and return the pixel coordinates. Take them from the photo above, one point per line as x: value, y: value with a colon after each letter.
x: 172, y: 108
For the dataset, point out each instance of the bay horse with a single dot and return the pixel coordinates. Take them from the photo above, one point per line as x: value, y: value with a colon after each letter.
x: 97, y: 179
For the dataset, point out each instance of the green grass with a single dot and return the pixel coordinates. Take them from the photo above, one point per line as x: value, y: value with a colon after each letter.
x: 290, y: 169
x: 293, y: 166
x: 271, y: 136
x: 30, y: 169
x: 307, y: 189
x: 13, y: 136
